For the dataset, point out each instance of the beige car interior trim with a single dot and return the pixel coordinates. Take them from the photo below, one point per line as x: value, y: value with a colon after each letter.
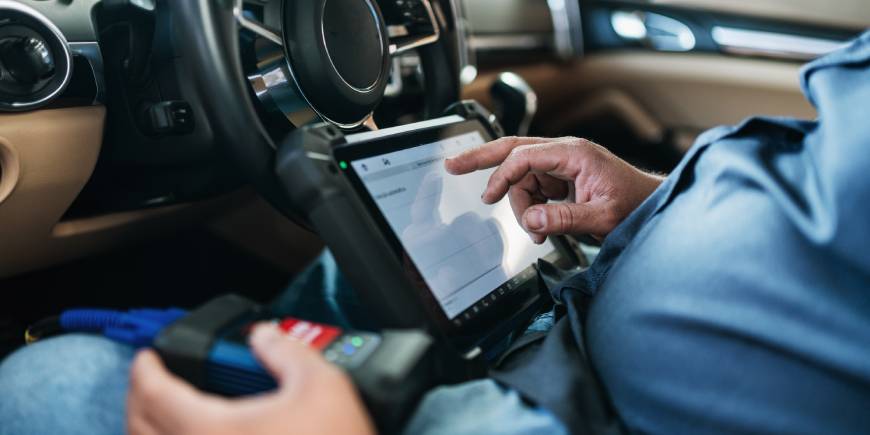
x: 9, y: 170
x: 112, y: 221
x: 686, y: 93
x: 618, y: 103
x: 47, y: 157
x: 56, y: 153
x: 847, y: 14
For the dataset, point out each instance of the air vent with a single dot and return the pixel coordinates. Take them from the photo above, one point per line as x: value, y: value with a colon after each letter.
x: 35, y: 59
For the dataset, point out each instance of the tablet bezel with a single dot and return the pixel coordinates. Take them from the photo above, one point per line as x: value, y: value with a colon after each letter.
x: 521, y: 297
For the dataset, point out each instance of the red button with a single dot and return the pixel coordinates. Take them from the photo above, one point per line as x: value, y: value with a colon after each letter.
x: 315, y: 335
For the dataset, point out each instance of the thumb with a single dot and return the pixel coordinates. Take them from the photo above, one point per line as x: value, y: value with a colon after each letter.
x: 159, y: 396
x: 148, y: 374
x: 568, y: 218
x: 287, y: 360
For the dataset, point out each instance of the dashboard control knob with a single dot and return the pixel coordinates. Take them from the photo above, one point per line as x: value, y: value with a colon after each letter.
x: 27, y: 61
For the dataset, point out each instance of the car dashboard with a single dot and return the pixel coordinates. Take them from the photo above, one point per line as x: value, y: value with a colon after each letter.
x: 104, y: 143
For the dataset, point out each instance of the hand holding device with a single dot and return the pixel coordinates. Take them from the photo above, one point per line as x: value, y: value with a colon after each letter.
x: 218, y: 348
x: 314, y: 396
x: 601, y: 188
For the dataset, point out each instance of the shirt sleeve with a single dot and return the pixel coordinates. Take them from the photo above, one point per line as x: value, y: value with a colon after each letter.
x: 839, y: 86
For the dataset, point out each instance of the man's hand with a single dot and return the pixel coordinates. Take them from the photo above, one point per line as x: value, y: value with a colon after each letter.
x: 602, y: 189
x: 314, y: 397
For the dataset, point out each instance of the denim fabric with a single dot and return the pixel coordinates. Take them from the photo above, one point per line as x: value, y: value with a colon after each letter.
x: 76, y: 384
x: 73, y: 385
x: 479, y: 407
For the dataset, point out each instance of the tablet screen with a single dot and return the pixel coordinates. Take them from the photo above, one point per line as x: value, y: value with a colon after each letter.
x: 462, y: 248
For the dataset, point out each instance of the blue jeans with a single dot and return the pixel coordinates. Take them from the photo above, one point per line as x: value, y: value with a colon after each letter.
x: 77, y: 384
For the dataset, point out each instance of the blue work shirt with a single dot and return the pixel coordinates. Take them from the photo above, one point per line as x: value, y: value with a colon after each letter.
x: 736, y: 299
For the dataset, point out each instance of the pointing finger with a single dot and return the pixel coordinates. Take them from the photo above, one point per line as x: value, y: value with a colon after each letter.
x: 488, y: 155
x: 550, y: 158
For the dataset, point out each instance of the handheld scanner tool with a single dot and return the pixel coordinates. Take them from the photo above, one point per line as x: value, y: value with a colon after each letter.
x: 208, y: 347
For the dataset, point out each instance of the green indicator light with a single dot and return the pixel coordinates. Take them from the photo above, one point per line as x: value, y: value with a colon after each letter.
x: 356, y: 341
x: 342, y: 164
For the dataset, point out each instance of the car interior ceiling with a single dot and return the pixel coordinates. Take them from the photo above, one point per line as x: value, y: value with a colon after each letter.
x: 157, y: 214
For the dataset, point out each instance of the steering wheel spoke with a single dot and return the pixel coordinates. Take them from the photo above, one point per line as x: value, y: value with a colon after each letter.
x: 339, y: 75
x: 246, y: 21
x: 418, y: 26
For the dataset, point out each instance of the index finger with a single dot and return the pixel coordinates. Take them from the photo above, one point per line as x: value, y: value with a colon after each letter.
x: 550, y: 158
x: 488, y: 155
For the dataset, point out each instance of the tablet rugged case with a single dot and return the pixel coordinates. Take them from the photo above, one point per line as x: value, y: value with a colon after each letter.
x: 308, y: 172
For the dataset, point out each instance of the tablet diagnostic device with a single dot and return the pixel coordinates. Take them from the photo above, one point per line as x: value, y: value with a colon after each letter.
x: 473, y: 260
x: 418, y: 246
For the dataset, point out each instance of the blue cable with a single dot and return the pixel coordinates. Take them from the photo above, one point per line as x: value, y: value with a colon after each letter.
x: 138, y: 327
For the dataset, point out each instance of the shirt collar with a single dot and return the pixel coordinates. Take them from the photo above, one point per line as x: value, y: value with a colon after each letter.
x: 857, y: 51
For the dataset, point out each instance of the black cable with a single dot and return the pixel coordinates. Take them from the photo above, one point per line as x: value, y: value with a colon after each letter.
x: 47, y: 327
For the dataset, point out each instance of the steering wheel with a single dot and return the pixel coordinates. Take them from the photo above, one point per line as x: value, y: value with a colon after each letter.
x: 332, y: 57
